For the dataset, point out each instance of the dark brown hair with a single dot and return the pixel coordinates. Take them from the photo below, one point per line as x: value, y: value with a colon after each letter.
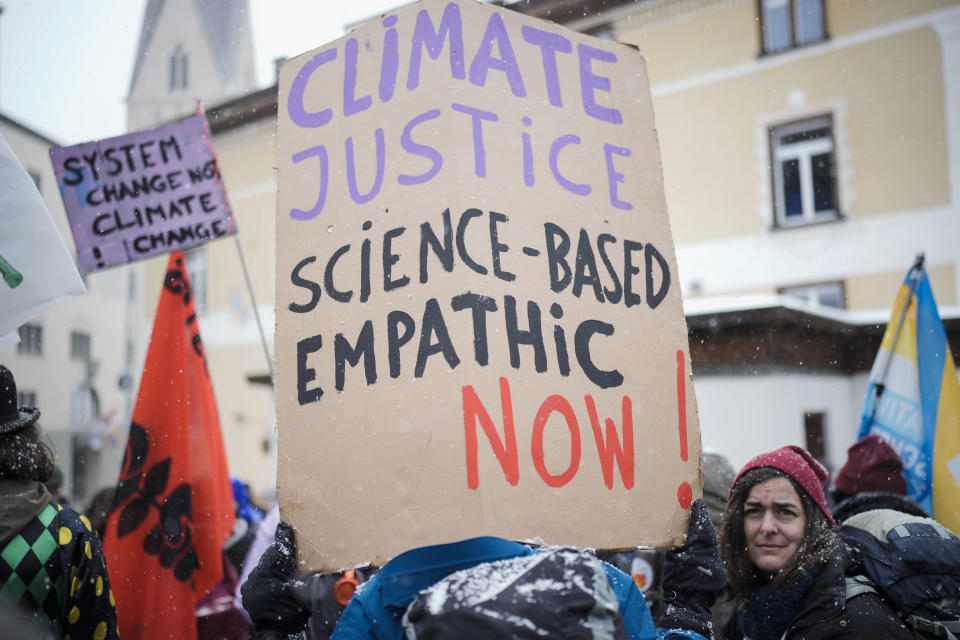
x: 819, y: 538
x: 26, y: 454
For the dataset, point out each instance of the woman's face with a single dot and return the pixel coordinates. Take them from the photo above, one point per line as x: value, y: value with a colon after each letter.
x: 773, y: 523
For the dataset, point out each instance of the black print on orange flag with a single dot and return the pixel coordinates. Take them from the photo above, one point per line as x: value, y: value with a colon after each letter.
x: 140, y: 490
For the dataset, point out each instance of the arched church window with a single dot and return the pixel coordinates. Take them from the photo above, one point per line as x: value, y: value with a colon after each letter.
x: 178, y: 69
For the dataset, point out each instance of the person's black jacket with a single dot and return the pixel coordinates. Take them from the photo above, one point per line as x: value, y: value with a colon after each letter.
x: 826, y: 614
x: 861, y: 502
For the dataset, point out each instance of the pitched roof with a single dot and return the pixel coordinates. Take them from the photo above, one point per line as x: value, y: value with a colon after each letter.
x: 221, y: 20
x: 150, y: 16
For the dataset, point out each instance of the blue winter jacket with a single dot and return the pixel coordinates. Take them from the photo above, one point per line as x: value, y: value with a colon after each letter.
x: 377, y: 608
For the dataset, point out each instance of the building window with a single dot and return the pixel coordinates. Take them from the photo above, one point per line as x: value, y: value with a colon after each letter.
x: 197, y: 270
x: 826, y: 294
x: 26, y: 398
x: 813, y: 425
x: 804, y: 172
x: 35, y: 176
x: 31, y: 339
x: 84, y: 405
x: 80, y: 346
x: 789, y: 23
x: 178, y: 69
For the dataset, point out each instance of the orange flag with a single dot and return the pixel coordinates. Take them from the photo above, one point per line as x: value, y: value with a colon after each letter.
x: 173, y: 509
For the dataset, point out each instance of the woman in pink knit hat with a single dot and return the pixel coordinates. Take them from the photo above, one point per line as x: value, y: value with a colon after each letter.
x: 785, y: 562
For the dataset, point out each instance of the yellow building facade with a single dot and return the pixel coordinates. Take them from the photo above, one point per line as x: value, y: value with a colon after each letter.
x: 810, y: 149
x: 873, y: 92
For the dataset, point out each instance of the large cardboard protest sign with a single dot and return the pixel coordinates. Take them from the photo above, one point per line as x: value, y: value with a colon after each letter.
x: 142, y: 194
x: 36, y: 270
x: 479, y: 325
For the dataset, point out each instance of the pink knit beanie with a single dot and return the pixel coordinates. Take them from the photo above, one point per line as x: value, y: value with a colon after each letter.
x: 797, y: 463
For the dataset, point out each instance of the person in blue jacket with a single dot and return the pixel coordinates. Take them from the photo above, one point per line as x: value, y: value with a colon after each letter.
x: 693, y: 576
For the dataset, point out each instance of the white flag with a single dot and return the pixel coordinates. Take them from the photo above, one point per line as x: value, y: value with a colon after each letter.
x: 36, y: 270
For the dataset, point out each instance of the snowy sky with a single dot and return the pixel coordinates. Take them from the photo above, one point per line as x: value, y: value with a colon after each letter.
x: 65, y: 64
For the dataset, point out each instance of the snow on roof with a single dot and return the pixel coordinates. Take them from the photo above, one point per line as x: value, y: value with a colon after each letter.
x: 755, y: 302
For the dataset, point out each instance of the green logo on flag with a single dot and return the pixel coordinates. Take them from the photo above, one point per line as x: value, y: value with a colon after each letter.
x: 11, y: 276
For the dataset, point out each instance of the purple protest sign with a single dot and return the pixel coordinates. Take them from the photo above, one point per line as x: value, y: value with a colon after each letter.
x: 142, y: 194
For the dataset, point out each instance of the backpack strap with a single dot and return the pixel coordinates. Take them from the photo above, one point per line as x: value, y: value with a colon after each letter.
x: 935, y: 628
x: 946, y: 629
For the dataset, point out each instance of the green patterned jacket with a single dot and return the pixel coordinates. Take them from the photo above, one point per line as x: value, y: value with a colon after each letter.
x: 53, y: 579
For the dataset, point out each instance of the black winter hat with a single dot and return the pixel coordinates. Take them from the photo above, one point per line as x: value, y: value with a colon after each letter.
x: 13, y: 418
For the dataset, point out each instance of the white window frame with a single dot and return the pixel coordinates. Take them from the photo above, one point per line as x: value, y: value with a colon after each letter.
x: 31, y: 340
x: 803, y: 152
x: 811, y: 293
x: 178, y: 69
x: 80, y: 345
x: 84, y: 405
x: 795, y: 16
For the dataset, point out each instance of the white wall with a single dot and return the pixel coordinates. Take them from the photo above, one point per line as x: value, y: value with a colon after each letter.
x: 742, y: 416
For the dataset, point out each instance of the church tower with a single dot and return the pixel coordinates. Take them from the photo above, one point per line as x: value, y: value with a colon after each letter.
x: 189, y: 50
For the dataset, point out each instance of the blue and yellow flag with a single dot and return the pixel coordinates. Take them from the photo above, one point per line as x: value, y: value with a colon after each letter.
x: 913, y: 399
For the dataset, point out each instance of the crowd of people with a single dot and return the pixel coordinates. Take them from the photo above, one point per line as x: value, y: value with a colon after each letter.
x: 777, y: 550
